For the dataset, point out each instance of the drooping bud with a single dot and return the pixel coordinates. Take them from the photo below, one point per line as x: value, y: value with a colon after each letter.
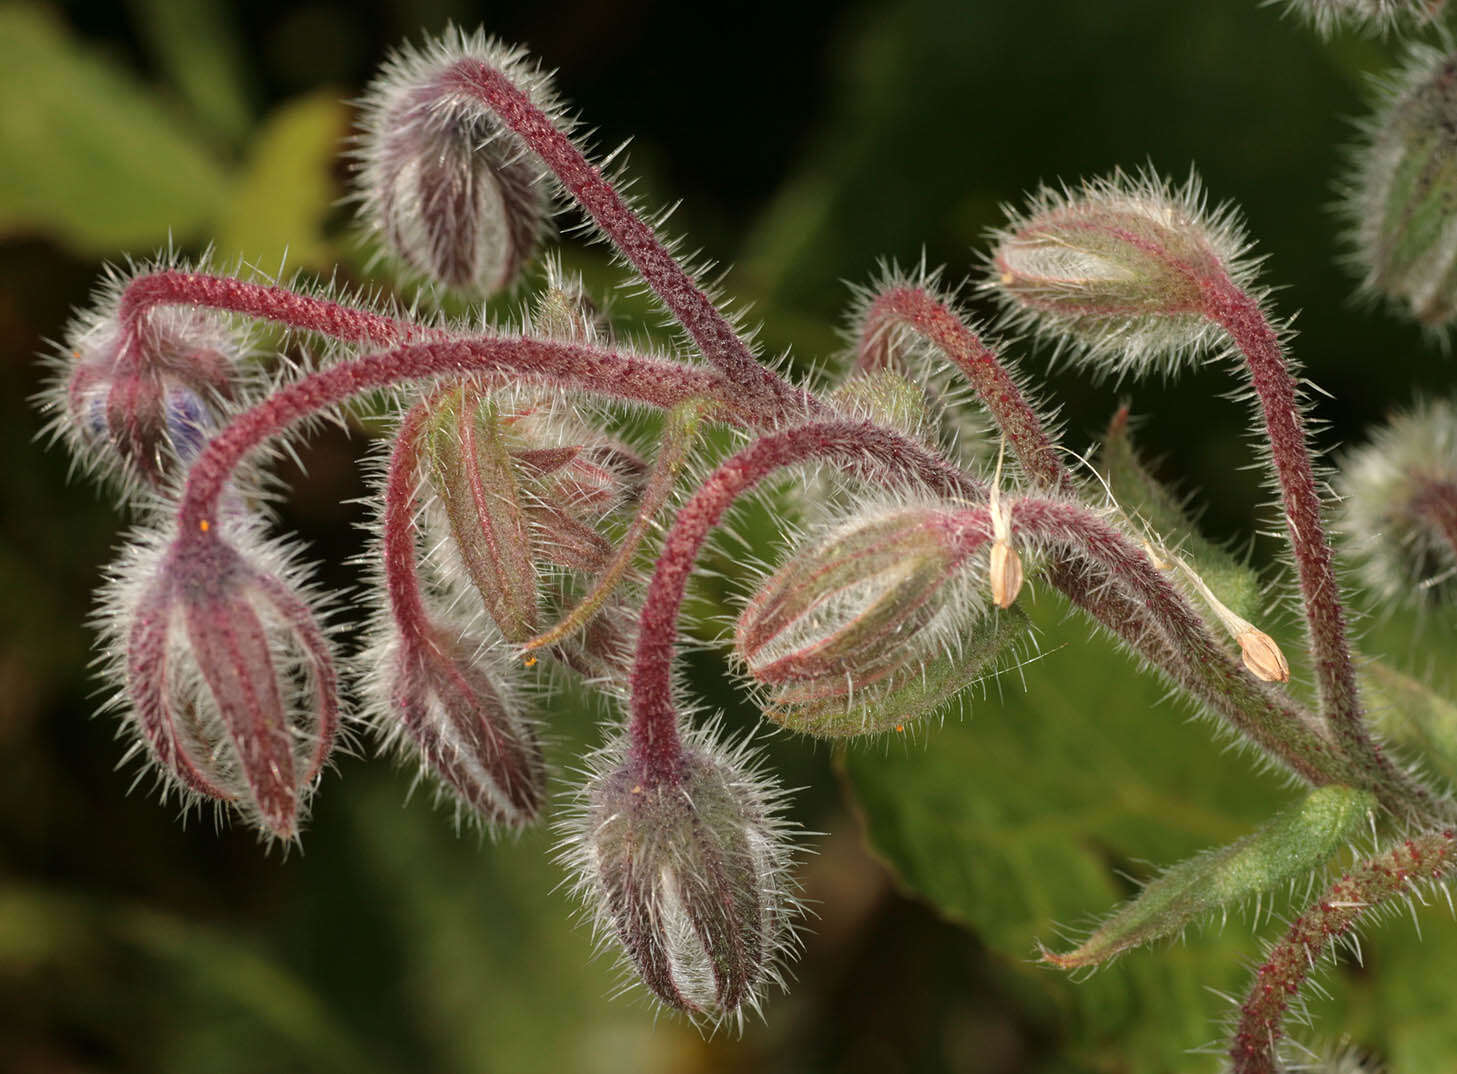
x: 1373, y: 15
x: 1399, y: 505
x: 853, y: 604
x: 1403, y: 189
x: 690, y: 873
x: 228, y: 678
x: 449, y: 190
x: 442, y: 691
x: 1117, y: 269
x: 134, y: 400
x: 871, y: 627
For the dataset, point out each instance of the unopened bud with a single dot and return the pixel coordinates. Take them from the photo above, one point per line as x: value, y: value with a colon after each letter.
x: 230, y: 680
x: 450, y: 191
x: 851, y: 606
x: 1404, y: 186
x: 1399, y: 505
x: 1116, y: 268
x: 689, y: 873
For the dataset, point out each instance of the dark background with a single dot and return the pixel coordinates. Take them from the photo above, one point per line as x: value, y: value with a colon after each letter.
x: 807, y: 141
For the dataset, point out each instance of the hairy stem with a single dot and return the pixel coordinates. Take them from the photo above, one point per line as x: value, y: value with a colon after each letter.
x: 1293, y: 737
x: 1254, y: 1049
x: 615, y: 374
x: 172, y: 287
x: 1240, y: 315
x: 766, y: 392
x: 864, y: 447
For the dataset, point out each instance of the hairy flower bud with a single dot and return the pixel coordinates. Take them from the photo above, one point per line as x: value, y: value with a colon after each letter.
x: 1117, y: 268
x: 133, y: 400
x: 1399, y: 504
x: 228, y: 678
x: 851, y: 605
x: 690, y: 873
x: 1374, y: 15
x: 1403, y: 188
x: 451, y: 192
x: 442, y: 691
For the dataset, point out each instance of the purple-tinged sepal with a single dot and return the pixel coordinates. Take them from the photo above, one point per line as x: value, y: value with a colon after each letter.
x: 226, y: 675
x: 689, y: 873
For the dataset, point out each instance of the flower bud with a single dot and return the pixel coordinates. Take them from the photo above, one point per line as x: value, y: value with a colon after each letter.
x: 449, y: 190
x: 136, y: 400
x: 852, y: 606
x: 1399, y: 505
x: 1262, y: 656
x: 1374, y: 15
x: 1117, y: 269
x: 229, y: 679
x: 1005, y: 572
x: 440, y: 693
x: 690, y: 873
x: 1403, y: 189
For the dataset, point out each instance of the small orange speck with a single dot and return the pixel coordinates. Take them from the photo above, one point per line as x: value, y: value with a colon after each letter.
x: 637, y: 789
x: 900, y: 728
x: 204, y: 525
x: 75, y: 354
x: 530, y: 661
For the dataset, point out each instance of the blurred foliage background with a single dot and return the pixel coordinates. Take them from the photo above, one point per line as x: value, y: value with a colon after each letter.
x: 807, y: 140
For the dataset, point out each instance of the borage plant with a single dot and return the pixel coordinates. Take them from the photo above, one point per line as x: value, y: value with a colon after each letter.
x: 514, y: 519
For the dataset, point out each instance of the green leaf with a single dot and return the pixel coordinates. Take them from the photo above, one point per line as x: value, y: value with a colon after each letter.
x: 195, y: 42
x: 1295, y: 844
x: 1023, y: 820
x: 87, y: 154
x: 1145, y: 499
x: 1410, y: 714
x: 287, y: 190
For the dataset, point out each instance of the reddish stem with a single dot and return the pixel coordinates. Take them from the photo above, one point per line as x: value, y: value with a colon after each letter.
x: 1278, y: 980
x: 571, y: 365
x: 402, y: 583
x: 1240, y: 315
x: 656, y: 746
x: 171, y: 287
x: 767, y: 393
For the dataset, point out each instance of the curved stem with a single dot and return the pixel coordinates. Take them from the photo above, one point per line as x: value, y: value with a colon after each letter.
x: 1237, y: 698
x: 653, y: 728
x: 172, y: 287
x: 1254, y: 1049
x: 402, y: 583
x: 616, y: 374
x: 767, y: 393
x: 1240, y: 315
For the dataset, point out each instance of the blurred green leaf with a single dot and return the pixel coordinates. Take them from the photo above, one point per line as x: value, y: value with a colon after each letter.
x: 1412, y: 715
x: 196, y: 44
x: 87, y: 153
x: 1018, y: 823
x: 287, y: 188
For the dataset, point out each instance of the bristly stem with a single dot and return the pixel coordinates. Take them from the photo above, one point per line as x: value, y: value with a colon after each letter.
x: 765, y: 391
x: 611, y: 373
x: 173, y: 287
x: 656, y: 743
x: 1235, y: 697
x: 1240, y: 315
x: 1428, y: 857
x: 402, y: 583
x: 1281, y: 730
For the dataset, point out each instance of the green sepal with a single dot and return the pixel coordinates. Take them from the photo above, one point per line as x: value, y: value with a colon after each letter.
x: 1297, y: 841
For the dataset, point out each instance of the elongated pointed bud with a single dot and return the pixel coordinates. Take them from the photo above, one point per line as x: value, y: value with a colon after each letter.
x: 450, y: 699
x: 1262, y: 656
x: 1117, y: 269
x: 228, y: 678
x: 1293, y: 846
x: 690, y: 874
x: 1005, y: 571
x: 1403, y: 189
x: 450, y: 191
x: 1399, y: 505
